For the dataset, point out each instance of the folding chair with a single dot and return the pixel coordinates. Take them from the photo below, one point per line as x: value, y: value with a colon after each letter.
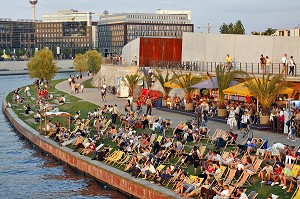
x: 296, y: 195
x: 230, y: 176
x: 243, y: 180
x: 252, y: 195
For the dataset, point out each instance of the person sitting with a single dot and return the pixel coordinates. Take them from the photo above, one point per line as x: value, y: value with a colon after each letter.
x: 215, y: 190
x: 221, y: 141
x: 61, y: 100
x: 286, y: 174
x: 268, y: 169
x: 293, y: 180
x: 28, y: 109
x: 37, y: 116
x: 225, y: 194
x: 290, y: 156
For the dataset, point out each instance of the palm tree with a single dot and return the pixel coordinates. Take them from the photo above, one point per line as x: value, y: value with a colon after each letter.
x: 266, y: 89
x: 131, y: 81
x: 162, y: 79
x: 185, y: 81
x: 224, y: 78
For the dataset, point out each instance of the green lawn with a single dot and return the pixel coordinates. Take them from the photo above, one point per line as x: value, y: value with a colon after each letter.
x: 88, y: 83
x: 77, y: 104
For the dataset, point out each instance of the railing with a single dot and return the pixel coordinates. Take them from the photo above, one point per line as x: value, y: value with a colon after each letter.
x: 250, y: 68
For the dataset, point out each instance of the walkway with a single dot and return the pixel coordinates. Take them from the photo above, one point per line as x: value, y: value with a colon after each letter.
x: 93, y: 95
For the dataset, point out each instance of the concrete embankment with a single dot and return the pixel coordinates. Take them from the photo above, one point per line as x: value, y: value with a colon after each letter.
x: 135, y: 187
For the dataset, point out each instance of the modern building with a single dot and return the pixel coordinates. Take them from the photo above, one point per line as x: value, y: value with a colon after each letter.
x: 17, y: 35
x: 295, y: 32
x: 116, y: 30
x: 66, y: 32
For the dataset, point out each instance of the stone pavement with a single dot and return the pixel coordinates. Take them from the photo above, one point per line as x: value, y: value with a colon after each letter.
x: 93, y: 95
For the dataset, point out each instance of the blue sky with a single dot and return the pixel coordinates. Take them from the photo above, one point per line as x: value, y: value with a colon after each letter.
x: 256, y: 15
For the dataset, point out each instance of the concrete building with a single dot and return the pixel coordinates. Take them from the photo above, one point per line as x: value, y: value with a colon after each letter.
x: 17, y: 35
x: 66, y: 32
x: 116, y: 30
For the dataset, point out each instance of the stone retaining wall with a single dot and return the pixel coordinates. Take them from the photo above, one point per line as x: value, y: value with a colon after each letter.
x: 123, y: 181
x: 20, y: 65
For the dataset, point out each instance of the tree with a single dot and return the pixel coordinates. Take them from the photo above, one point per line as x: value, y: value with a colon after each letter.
x: 22, y: 51
x: 185, y: 81
x: 94, y: 61
x: 268, y: 32
x: 266, y: 89
x: 17, y: 52
x: 237, y: 28
x: 1, y: 52
x: 224, y: 78
x: 42, y: 66
x: 131, y: 82
x: 162, y: 79
x: 80, y: 63
x: 7, y: 51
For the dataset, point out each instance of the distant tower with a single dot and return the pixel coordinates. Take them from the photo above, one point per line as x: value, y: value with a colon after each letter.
x: 33, y: 3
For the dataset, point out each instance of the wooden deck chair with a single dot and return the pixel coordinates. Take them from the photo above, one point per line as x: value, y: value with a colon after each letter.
x: 124, y: 160
x: 296, y: 195
x: 84, y: 126
x: 158, y: 169
x: 167, y: 158
x: 106, y: 125
x: 224, y: 173
x: 111, y: 156
x: 295, y: 170
x: 116, y: 158
x: 206, y: 136
x: 216, y: 134
x: 231, y: 189
x: 174, y: 179
x: 179, y: 152
x: 73, y: 132
x: 152, y: 138
x: 243, y: 180
x: 159, y: 139
x: 181, y: 162
x: 252, y: 195
x: 256, y: 166
x: 201, y: 151
x: 225, y: 155
x: 78, y: 140
x: 230, y: 176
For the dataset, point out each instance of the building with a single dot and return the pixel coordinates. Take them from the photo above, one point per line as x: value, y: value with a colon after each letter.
x: 116, y: 30
x: 66, y: 32
x: 17, y: 35
x: 295, y: 32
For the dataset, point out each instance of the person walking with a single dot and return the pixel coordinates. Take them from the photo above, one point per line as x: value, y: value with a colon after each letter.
x: 292, y: 65
x: 149, y: 106
x: 268, y: 64
x: 114, y: 114
x: 231, y: 118
x: 228, y: 62
x: 263, y: 64
x: 103, y: 95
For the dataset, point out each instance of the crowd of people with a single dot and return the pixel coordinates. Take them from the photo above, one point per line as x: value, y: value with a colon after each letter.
x: 147, y: 149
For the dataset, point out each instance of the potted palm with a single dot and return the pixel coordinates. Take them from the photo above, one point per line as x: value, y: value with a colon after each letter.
x: 224, y: 78
x: 266, y: 89
x: 162, y: 79
x: 131, y: 81
x: 185, y: 81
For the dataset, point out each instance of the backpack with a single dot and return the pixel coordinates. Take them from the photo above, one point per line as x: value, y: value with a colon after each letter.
x: 288, y: 123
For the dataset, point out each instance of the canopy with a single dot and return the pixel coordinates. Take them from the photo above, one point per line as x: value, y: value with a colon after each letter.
x: 174, y: 83
x: 63, y: 114
x: 242, y: 90
x: 211, y: 83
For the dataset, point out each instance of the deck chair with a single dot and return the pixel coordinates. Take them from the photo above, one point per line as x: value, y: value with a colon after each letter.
x: 296, y: 195
x: 252, y: 195
x: 206, y: 136
x: 73, y: 132
x: 243, y: 180
x: 216, y: 134
x: 124, y: 160
x: 256, y: 166
x: 230, y: 176
x: 111, y: 156
x: 116, y: 158
x: 225, y: 154
x: 152, y: 138
x: 181, y: 162
x: 158, y: 169
x: 159, y: 139
x: 201, y: 152
x: 295, y: 170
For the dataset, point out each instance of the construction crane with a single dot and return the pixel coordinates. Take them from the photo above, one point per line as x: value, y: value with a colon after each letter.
x: 208, y: 27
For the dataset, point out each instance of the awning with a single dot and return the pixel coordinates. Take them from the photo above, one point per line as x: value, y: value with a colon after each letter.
x: 53, y: 114
x: 242, y: 90
x: 211, y: 83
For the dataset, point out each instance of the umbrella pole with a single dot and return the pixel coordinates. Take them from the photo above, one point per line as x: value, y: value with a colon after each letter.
x: 257, y: 105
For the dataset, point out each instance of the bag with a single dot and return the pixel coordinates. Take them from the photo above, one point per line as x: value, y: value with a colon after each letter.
x: 288, y: 123
x: 235, y: 123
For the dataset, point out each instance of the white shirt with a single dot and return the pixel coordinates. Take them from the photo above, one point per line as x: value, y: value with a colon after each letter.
x: 284, y: 60
x: 243, y: 196
x: 278, y: 146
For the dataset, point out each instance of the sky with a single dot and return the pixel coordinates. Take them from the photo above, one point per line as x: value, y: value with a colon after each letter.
x: 256, y: 15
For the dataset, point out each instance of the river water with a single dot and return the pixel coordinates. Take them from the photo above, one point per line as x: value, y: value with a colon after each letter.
x: 26, y: 172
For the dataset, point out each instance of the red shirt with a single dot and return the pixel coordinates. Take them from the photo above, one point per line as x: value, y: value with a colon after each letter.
x: 278, y: 171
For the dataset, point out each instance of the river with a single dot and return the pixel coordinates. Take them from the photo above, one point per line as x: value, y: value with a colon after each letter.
x: 26, y: 172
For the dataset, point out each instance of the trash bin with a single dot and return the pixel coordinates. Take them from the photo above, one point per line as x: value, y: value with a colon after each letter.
x: 159, y: 103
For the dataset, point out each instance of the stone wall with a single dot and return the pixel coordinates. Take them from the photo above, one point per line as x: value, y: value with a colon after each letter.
x: 123, y: 181
x: 242, y: 48
x: 21, y: 65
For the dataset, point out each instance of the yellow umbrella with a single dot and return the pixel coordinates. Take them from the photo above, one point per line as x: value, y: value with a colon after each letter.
x: 172, y: 84
x: 242, y: 90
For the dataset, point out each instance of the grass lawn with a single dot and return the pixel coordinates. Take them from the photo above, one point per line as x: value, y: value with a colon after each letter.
x: 75, y: 104
x: 88, y: 83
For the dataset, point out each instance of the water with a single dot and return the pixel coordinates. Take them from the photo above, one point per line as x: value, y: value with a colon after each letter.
x: 26, y: 172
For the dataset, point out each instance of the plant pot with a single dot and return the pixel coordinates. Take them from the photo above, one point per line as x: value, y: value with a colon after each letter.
x: 189, y: 107
x: 264, y: 119
x: 222, y: 112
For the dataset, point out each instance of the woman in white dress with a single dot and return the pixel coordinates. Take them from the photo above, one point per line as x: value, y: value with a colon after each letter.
x: 231, y: 118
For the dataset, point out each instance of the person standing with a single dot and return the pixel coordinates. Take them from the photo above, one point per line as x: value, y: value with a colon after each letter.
x: 263, y: 64
x: 149, y: 106
x: 103, y: 94
x: 268, y: 64
x: 105, y: 87
x: 231, y: 118
x: 228, y: 62
x: 114, y: 114
x: 284, y: 62
x: 292, y: 65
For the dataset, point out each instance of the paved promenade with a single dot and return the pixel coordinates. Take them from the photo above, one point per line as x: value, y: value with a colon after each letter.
x: 93, y: 95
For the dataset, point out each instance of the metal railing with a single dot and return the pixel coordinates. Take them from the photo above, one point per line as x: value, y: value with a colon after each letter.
x: 250, y: 68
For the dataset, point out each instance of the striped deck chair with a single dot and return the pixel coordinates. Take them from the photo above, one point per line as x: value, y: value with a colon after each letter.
x: 252, y: 195
x: 116, y: 158
x: 159, y: 139
x: 230, y: 176
x: 201, y: 152
x: 124, y: 160
x: 158, y: 169
x: 243, y: 180
x: 256, y: 166
x: 296, y: 195
x: 111, y: 156
x: 295, y: 170
x: 73, y: 132
x: 216, y: 134
x: 225, y: 155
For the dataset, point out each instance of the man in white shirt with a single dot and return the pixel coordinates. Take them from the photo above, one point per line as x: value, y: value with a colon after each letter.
x: 241, y: 193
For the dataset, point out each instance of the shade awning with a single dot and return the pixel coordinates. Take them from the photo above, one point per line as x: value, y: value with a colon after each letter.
x: 53, y: 114
x: 242, y: 90
x: 211, y: 83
